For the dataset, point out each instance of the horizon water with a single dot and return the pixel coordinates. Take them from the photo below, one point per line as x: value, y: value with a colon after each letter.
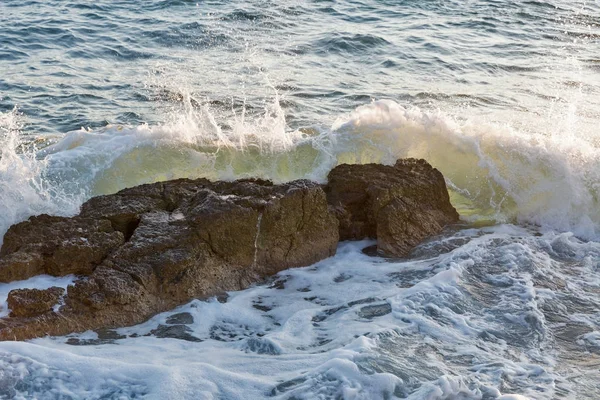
x: 502, y: 97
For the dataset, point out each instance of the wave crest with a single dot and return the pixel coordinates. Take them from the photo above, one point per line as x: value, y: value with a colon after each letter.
x: 495, y: 173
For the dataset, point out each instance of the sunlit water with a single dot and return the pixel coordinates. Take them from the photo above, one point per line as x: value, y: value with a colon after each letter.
x: 502, y: 97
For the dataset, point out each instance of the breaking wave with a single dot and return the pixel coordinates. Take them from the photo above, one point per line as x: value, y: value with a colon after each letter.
x: 495, y: 173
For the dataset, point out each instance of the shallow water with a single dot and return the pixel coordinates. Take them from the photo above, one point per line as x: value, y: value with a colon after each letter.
x: 501, y: 96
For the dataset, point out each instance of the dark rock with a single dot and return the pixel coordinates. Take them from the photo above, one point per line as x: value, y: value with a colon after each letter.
x: 261, y: 346
x: 278, y: 284
x: 181, y: 332
x: 366, y: 300
x: 287, y: 385
x: 370, y: 251
x: 375, y: 310
x: 31, y: 302
x: 183, y: 318
x: 398, y: 205
x: 222, y: 298
x: 230, y: 332
x: 342, y: 278
x: 109, y: 334
x: 105, y: 336
x: 327, y: 313
x: 261, y: 307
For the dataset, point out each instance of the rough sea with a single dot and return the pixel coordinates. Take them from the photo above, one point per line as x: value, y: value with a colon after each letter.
x: 503, y: 97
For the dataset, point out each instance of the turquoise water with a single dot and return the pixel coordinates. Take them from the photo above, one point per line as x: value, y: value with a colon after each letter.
x: 501, y: 96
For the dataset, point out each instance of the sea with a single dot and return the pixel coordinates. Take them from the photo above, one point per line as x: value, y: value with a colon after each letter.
x: 503, y: 97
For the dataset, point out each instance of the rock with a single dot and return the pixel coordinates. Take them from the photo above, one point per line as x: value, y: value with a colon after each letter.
x: 375, y: 310
x: 183, y: 318
x: 105, y: 336
x: 56, y: 246
x: 262, y: 346
x: 31, y: 302
x: 181, y: 332
x: 398, y: 205
x: 151, y: 248
x: 20, y: 266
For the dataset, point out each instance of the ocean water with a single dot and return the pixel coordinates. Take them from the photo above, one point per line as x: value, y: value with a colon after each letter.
x: 502, y: 96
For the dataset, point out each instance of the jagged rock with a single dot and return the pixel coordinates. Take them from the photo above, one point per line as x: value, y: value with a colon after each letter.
x: 184, y: 318
x: 181, y: 332
x: 148, y: 249
x: 398, y: 205
x: 31, y: 302
x: 376, y: 310
x: 56, y: 246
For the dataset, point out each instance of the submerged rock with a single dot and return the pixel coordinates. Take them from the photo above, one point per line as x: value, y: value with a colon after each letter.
x: 153, y: 247
x: 398, y: 205
x: 183, y: 318
x: 181, y: 332
x: 375, y: 310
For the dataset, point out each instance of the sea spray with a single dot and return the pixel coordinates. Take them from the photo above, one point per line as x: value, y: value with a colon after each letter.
x: 550, y: 181
x: 495, y: 172
x: 25, y: 189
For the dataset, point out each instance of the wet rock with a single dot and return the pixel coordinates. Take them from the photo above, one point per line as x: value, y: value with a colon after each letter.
x: 181, y: 332
x: 56, y: 246
x: 31, y: 302
x: 222, y: 298
x: 327, y: 313
x: 105, y: 336
x: 183, y: 318
x: 375, y: 310
x: 398, y: 205
x: 362, y: 301
x: 109, y: 334
x: 261, y: 307
x: 229, y: 332
x: 370, y: 251
x: 151, y: 248
x: 262, y: 346
x: 287, y: 385
x: 279, y: 284
x: 342, y: 278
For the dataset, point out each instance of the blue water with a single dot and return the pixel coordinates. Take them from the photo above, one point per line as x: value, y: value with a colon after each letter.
x: 501, y: 96
x: 73, y: 64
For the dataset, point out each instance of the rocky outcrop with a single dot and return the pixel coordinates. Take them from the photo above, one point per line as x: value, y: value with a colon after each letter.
x: 150, y: 248
x: 398, y: 205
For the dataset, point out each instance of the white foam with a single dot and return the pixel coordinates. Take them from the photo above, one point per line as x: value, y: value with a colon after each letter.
x: 24, y: 189
x: 465, y: 319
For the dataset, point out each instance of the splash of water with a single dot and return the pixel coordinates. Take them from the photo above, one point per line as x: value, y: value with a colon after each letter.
x: 494, y: 172
x: 25, y: 189
x: 548, y: 180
